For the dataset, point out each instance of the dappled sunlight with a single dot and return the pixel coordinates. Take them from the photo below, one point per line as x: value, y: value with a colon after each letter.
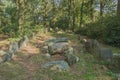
x: 4, y: 45
x: 29, y: 49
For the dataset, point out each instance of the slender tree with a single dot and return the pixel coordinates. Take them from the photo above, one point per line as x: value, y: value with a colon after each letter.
x: 91, y: 9
x: 81, y: 13
x: 69, y: 13
x: 45, y: 8
x: 1, y: 12
x: 118, y: 8
x: 20, y: 14
x: 102, y: 3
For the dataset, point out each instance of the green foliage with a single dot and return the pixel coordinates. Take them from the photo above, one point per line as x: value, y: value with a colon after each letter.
x: 106, y: 29
x: 62, y: 25
x: 112, y: 32
x: 95, y: 30
x: 10, y: 30
x: 18, y: 18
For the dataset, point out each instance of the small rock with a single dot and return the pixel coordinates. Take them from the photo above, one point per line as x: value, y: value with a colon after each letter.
x: 48, y: 56
x: 116, y: 55
x: 45, y: 49
x: 1, y: 60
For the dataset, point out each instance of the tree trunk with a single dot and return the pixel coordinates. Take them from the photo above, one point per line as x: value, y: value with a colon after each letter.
x: 92, y: 9
x: 53, y: 14
x: 1, y: 13
x: 118, y: 8
x: 20, y: 7
x: 81, y: 13
x: 69, y: 13
x: 101, y: 8
x: 0, y: 21
x: 73, y: 15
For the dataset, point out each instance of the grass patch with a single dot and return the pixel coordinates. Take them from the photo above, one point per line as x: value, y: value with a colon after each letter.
x: 9, y: 71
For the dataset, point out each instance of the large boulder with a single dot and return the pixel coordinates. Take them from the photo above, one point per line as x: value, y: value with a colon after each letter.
x: 56, y: 65
x: 96, y: 47
x: 57, y: 40
x: 116, y: 61
x: 49, y: 42
x: 60, y: 48
x: 106, y: 54
x: 23, y: 42
x: 56, y: 45
x: 5, y: 56
x: 13, y: 47
x: 70, y: 56
x: 92, y: 46
x: 2, y: 55
x: 8, y: 57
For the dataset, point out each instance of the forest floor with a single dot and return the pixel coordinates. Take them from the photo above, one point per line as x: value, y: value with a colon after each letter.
x: 26, y: 63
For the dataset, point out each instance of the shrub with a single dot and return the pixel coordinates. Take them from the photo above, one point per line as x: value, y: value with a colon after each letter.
x: 61, y: 25
x: 95, y: 30
x: 106, y: 29
x: 112, y: 32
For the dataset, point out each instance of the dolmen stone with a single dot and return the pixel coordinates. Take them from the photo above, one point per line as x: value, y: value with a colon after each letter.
x: 56, y: 65
x: 96, y: 47
x: 5, y: 56
x: 13, y: 47
x: 106, y: 54
x: 92, y: 46
x: 44, y: 49
x: 56, y: 45
x: 55, y: 40
x: 8, y: 57
x: 2, y: 55
x: 23, y: 42
x: 116, y: 61
x: 60, y: 48
x: 71, y: 58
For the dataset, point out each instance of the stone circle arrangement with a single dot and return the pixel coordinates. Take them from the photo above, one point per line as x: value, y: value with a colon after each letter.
x: 62, y: 47
x: 12, y: 49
